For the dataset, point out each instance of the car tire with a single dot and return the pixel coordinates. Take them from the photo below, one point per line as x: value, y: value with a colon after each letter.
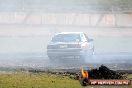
x: 93, y: 51
x: 87, y: 56
x: 51, y: 57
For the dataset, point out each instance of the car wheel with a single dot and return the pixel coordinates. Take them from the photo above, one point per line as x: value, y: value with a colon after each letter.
x: 93, y: 51
x: 87, y: 56
x: 51, y: 57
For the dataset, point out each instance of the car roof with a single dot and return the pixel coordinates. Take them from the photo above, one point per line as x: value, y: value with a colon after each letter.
x: 69, y: 33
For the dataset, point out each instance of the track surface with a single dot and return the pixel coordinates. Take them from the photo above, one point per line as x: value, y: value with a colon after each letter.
x: 120, y: 61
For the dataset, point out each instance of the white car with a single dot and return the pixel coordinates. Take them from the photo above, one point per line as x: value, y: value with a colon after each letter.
x: 66, y: 44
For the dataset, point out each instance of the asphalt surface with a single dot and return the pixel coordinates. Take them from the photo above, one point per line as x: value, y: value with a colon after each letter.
x: 120, y: 61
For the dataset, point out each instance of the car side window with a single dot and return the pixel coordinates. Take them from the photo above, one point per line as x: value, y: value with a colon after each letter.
x: 86, y: 37
x: 83, y: 38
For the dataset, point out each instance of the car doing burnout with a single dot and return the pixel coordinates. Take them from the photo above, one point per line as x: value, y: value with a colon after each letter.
x: 67, y: 44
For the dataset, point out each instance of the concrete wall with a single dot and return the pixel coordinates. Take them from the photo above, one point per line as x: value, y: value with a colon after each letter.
x: 103, y: 20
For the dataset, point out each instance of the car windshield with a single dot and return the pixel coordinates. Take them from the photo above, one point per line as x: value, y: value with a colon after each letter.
x: 66, y: 38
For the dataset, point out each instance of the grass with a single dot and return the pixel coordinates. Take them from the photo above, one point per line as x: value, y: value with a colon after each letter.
x: 43, y: 80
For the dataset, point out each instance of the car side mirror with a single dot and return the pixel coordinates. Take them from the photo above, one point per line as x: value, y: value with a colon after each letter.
x: 90, y: 40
